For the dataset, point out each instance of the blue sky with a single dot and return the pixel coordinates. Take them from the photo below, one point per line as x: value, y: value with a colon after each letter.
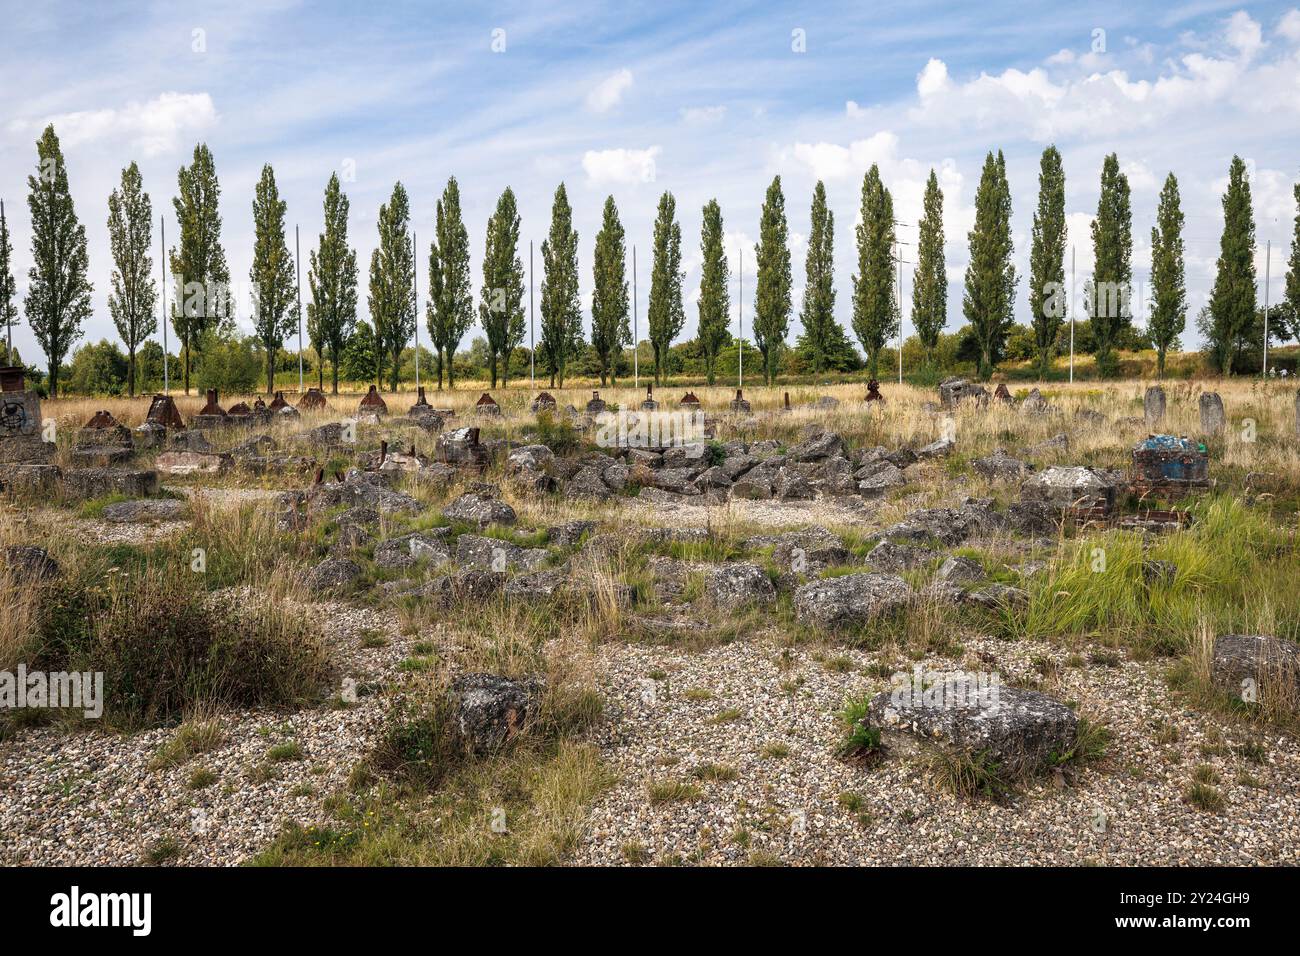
x: 705, y: 100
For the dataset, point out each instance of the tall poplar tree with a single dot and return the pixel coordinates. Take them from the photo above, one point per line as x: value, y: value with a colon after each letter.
x: 1109, y: 292
x: 1168, y: 282
x: 930, y: 279
x: 821, y: 331
x: 990, y: 277
x: 198, y: 264
x: 501, y: 302
x: 715, y: 280
x: 773, y: 286
x: 131, y: 302
x: 272, y: 273
x: 610, y: 330
x: 8, y: 287
x: 1047, y: 303
x: 332, y: 278
x: 665, y: 315
x: 1292, y: 294
x: 875, y: 311
x: 451, y: 312
x: 1232, y: 300
x: 392, y: 286
x: 58, y: 292
x: 561, y: 307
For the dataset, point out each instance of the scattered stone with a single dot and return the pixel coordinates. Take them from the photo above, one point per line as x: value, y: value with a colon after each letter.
x: 1257, y: 668
x: 491, y: 710
x: 880, y: 479
x: 493, y: 554
x: 1022, y: 730
x: 940, y: 448
x: 179, y: 463
x: 29, y: 562
x: 1000, y: 466
x: 999, y: 597
x: 461, y: 447
x: 892, y: 556
x: 404, y: 551
x: 954, y: 391
x: 1069, y: 487
x: 570, y: 534
x: 146, y: 510
x: 487, y: 406
x: 961, y: 570
x: 86, y: 483
x: 737, y: 585
x: 480, y: 509
x: 850, y: 600
x: 739, y: 405
x: 333, y: 575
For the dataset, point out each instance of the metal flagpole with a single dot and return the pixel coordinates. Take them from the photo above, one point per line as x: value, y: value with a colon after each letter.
x: 740, y: 306
x: 1268, y: 261
x: 636, y: 342
x: 532, y: 349
x: 162, y: 271
x: 415, y: 286
x: 1071, y: 308
x: 297, y: 255
x: 899, y: 256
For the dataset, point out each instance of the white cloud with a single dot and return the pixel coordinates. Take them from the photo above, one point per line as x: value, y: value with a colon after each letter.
x: 1289, y: 25
x: 620, y: 166
x: 608, y: 93
x: 853, y: 111
x: 933, y: 79
x: 152, y: 128
x: 700, y: 115
x: 1243, y: 34
x: 831, y: 161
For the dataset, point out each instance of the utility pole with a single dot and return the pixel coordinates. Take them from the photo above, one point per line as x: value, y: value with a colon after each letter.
x: 532, y: 349
x: 898, y: 258
x: 162, y: 271
x: 297, y: 260
x: 1268, y: 262
x: 415, y: 286
x: 1071, y: 308
x: 636, y: 347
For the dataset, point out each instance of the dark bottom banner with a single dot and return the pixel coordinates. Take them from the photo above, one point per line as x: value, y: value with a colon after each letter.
x: 144, y: 906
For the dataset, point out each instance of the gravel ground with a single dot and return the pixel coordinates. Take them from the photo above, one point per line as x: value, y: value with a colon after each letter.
x: 91, y: 799
x: 1126, y: 810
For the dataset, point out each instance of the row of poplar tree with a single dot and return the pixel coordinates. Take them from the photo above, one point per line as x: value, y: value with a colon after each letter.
x: 59, y: 294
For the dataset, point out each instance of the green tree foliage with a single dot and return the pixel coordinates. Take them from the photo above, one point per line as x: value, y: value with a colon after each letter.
x: 97, y: 369
x: 990, y: 276
x: 821, y: 333
x: 561, y: 308
x: 930, y: 280
x: 1232, y: 309
x: 875, y: 311
x: 501, y: 302
x: 229, y: 362
x: 198, y: 264
x: 1168, y: 284
x: 8, y: 287
x: 610, y: 330
x: 332, y: 279
x: 1108, y: 293
x: 272, y: 273
x: 362, y: 359
x: 665, y: 315
x: 1292, y: 296
x: 58, y: 292
x: 773, y: 288
x: 451, y: 299
x: 392, y: 286
x: 715, y: 298
x: 1047, y: 305
x: 131, y: 302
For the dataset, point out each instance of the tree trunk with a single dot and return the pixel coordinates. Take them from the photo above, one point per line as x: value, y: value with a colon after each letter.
x: 336, y: 371
x: 270, y: 371
x: 130, y: 373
